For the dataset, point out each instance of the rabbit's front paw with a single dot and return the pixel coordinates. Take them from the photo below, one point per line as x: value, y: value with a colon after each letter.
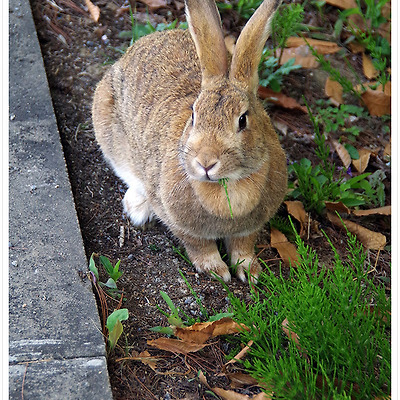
x: 137, y: 207
x: 212, y: 264
x: 247, y: 265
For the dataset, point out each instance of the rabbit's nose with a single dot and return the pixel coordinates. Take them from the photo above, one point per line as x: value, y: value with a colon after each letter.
x: 207, y: 167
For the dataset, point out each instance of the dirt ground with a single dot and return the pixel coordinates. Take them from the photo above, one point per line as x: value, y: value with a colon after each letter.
x: 77, y: 51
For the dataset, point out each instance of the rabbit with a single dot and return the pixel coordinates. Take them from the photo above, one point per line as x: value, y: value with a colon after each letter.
x: 176, y: 115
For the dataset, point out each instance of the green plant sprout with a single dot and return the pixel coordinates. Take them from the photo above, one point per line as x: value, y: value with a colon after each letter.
x: 338, y: 119
x: 114, y: 326
x: 286, y: 22
x: 315, y: 185
x: 112, y: 271
x: 223, y: 182
x: 370, y: 13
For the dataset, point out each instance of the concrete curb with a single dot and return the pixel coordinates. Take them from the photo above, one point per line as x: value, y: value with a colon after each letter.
x: 56, y: 350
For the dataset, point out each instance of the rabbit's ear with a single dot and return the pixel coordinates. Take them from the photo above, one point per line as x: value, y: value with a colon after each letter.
x: 250, y: 44
x: 205, y: 27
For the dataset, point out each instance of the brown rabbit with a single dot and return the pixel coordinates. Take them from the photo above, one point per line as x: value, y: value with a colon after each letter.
x: 174, y: 116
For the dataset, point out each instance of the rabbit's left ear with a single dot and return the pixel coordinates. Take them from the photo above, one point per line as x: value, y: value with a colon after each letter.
x: 249, y: 46
x: 205, y: 27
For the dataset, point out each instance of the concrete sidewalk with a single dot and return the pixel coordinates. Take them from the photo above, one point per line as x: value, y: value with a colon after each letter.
x: 56, y: 347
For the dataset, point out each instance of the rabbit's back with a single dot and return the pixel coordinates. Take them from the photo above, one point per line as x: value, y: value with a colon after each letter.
x: 149, y: 90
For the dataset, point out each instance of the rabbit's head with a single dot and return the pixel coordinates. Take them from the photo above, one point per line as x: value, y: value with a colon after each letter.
x: 229, y: 132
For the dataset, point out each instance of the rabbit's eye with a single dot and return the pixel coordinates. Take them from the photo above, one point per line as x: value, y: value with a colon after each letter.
x: 243, y: 121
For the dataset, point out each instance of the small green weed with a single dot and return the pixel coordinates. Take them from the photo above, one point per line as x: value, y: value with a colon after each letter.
x: 139, y: 30
x: 286, y: 22
x: 177, y: 317
x: 367, y: 35
x: 114, y: 326
x: 340, y: 119
x: 113, y: 271
x: 246, y: 8
x: 343, y: 347
x: 316, y: 184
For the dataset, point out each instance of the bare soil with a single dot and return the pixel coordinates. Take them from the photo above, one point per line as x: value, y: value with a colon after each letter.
x: 76, y: 52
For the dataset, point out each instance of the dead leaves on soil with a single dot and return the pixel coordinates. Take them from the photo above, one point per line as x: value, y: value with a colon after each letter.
x: 193, y: 338
x: 280, y: 99
x: 370, y: 239
x: 232, y: 395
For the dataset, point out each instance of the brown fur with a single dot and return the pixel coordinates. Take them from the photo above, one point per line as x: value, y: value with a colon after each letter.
x: 142, y: 118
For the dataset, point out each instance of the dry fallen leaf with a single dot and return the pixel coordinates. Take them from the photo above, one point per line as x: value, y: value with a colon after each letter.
x: 342, y: 153
x: 302, y: 55
x: 356, y: 48
x: 296, y: 210
x: 320, y: 46
x: 286, y: 250
x: 334, y: 90
x: 239, y: 379
x: 200, y: 332
x: 155, y: 4
x: 386, y: 210
x: 343, y: 4
x: 362, y: 163
x: 368, y: 67
x: 337, y: 206
x: 280, y: 99
x: 378, y: 101
x: 175, y: 345
x: 94, y: 11
x: 370, y: 239
x: 231, y: 395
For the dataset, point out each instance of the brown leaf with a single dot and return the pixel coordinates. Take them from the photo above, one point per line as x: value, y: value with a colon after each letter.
x: 302, y: 55
x: 377, y: 99
x: 356, y: 48
x: 368, y: 67
x: 386, y: 210
x: 362, y: 163
x: 203, y: 379
x: 337, y: 206
x: 342, y: 153
x: 296, y: 210
x: 175, y: 345
x: 320, y: 46
x: 239, y: 379
x: 231, y: 395
x: 280, y: 99
x: 370, y: 239
x: 377, y: 102
x: 94, y: 11
x: 200, y: 332
x: 343, y: 4
x: 286, y: 250
x: 155, y: 4
x: 334, y: 90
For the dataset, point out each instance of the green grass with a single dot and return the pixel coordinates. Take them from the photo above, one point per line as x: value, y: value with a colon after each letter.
x: 344, y: 343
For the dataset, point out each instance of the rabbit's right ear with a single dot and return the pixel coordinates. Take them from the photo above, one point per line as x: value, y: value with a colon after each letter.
x: 205, y: 27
